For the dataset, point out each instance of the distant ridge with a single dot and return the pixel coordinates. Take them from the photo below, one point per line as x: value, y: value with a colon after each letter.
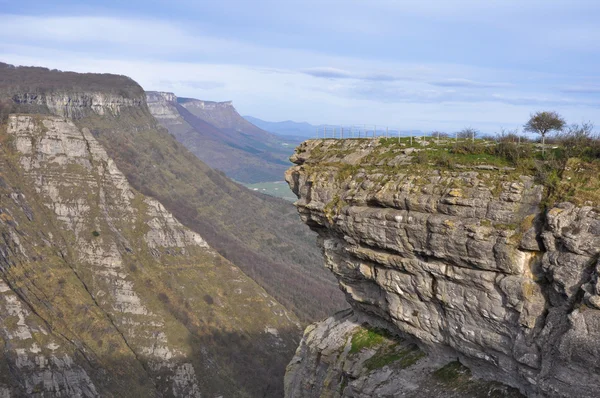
x: 304, y: 130
x: 288, y: 127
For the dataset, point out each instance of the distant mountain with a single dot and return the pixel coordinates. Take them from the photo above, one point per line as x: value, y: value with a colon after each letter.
x: 217, y: 134
x: 304, y: 130
x: 288, y: 127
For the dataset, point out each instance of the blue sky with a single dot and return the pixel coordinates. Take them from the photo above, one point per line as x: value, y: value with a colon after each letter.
x: 429, y: 64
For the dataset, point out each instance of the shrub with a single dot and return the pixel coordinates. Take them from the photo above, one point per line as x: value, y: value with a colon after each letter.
x: 512, y: 152
x: 578, y: 141
x: 163, y: 298
x: 466, y: 148
x: 468, y: 132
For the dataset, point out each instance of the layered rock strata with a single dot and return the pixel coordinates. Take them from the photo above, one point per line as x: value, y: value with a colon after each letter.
x: 464, y: 260
x: 76, y: 105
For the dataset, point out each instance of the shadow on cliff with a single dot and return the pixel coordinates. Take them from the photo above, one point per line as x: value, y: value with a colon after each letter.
x: 226, y: 363
x: 253, y: 363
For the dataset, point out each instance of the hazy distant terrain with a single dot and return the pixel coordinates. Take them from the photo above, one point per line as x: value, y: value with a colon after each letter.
x: 295, y: 129
x: 219, y: 136
x: 303, y: 130
x: 278, y: 189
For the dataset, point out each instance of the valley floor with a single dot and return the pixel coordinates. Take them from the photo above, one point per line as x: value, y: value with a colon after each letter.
x: 279, y: 189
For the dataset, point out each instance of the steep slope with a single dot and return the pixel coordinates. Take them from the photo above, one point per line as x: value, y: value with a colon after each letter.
x: 218, y: 135
x: 104, y: 292
x: 474, y: 263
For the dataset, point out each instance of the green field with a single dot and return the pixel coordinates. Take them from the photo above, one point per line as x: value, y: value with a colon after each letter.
x: 279, y: 189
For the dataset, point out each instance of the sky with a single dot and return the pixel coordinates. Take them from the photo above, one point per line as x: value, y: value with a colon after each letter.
x: 428, y: 64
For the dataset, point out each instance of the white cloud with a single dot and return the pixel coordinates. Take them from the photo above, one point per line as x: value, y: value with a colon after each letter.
x: 458, y: 82
x: 287, y: 83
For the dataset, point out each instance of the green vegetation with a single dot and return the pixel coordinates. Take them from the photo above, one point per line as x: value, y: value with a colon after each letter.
x: 568, y: 170
x: 402, y: 357
x: 333, y: 207
x: 457, y: 377
x: 367, y: 337
x: 544, y: 122
x: 479, y: 152
x: 389, y: 349
x: 453, y: 374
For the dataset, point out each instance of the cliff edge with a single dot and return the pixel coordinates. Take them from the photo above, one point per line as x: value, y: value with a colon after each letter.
x: 477, y: 264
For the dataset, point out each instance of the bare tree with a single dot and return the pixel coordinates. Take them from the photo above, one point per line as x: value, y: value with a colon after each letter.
x: 467, y: 132
x: 438, y: 134
x: 543, y: 122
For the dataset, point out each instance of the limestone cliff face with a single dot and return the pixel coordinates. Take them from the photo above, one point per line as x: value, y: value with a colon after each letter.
x: 68, y: 94
x: 462, y: 260
x: 76, y: 105
x: 162, y: 106
x: 104, y: 293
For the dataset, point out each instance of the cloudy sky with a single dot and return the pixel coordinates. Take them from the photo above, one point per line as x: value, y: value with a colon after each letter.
x: 428, y: 64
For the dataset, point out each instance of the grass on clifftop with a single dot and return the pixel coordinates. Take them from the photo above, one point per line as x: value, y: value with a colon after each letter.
x: 568, y: 168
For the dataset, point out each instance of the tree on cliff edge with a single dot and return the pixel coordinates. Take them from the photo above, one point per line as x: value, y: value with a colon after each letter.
x: 542, y: 123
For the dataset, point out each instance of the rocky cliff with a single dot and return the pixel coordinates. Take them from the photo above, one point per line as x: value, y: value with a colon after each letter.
x: 472, y: 263
x: 68, y: 94
x: 76, y: 105
x: 103, y: 292
x: 162, y: 105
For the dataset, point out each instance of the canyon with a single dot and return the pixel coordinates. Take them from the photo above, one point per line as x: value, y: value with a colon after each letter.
x: 112, y: 281
x: 128, y: 267
x: 217, y: 134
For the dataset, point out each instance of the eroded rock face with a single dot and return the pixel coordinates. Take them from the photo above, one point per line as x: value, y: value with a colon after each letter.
x: 105, y: 293
x: 463, y: 260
